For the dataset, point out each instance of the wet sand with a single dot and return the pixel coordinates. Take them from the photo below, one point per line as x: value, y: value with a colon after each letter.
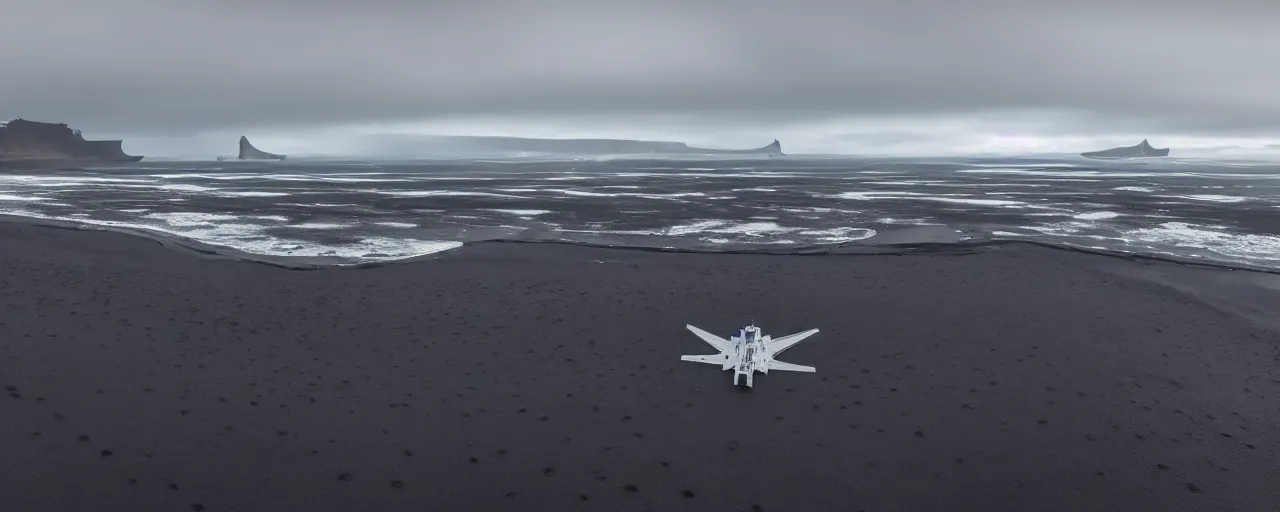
x: 547, y: 377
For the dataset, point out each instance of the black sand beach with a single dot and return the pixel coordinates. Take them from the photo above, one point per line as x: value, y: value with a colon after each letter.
x: 547, y: 377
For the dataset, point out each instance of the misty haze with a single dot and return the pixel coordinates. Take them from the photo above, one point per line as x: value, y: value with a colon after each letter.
x: 393, y: 255
x: 823, y: 77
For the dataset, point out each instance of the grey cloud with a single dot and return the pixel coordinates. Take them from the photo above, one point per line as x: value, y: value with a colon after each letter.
x: 162, y: 67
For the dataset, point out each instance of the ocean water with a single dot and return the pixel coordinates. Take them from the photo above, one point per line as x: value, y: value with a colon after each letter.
x: 351, y: 212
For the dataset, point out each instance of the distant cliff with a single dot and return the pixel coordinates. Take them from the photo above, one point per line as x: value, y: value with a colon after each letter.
x: 435, y: 145
x: 31, y: 142
x: 602, y: 146
x: 1142, y: 150
x: 773, y: 148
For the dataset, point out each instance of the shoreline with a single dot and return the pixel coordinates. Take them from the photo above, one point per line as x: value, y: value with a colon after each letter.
x: 863, y: 247
x: 542, y: 376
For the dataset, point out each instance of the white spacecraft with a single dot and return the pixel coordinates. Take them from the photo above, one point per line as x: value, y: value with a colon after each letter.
x: 749, y: 352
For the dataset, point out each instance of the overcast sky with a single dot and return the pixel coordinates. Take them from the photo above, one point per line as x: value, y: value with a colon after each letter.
x: 823, y: 72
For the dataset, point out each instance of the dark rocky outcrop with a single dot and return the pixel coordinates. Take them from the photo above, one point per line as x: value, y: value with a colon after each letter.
x: 1142, y: 150
x: 248, y: 152
x: 33, y: 142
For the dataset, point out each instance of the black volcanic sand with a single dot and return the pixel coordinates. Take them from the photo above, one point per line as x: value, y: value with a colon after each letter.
x: 546, y: 377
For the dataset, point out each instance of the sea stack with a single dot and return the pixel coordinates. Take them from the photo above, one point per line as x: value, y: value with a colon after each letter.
x: 32, y: 142
x: 248, y: 152
x: 1142, y: 150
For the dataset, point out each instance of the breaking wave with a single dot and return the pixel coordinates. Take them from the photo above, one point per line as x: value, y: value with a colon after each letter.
x: 377, y: 212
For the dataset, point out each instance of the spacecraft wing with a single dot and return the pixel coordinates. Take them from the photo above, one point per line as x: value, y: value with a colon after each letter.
x: 719, y: 343
x: 778, y: 345
x: 716, y: 359
x: 788, y: 367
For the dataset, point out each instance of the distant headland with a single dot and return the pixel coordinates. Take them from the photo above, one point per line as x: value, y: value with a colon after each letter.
x: 1142, y: 150
x: 26, y: 142
x: 413, y: 146
x: 609, y: 146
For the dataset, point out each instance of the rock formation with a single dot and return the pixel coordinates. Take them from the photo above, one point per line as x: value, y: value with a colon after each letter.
x: 1142, y: 150
x: 434, y: 145
x: 248, y: 152
x: 33, y: 142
